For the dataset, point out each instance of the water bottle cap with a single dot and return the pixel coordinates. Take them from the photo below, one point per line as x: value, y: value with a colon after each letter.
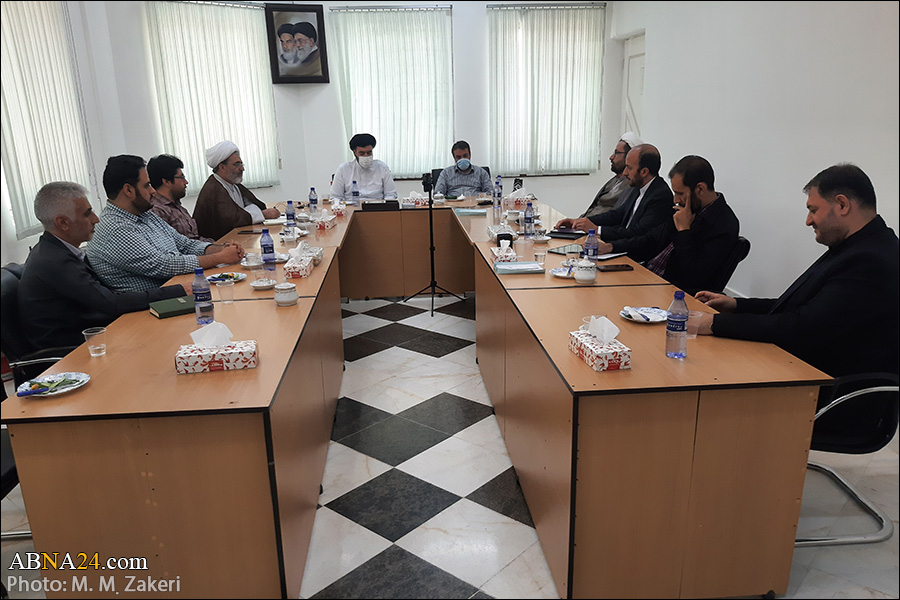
x: 265, y: 230
x: 198, y: 271
x: 679, y: 295
x: 290, y: 201
x: 592, y: 231
x: 312, y: 189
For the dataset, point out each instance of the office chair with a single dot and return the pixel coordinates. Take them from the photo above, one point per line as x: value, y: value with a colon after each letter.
x: 861, y: 417
x: 738, y: 253
x: 25, y: 360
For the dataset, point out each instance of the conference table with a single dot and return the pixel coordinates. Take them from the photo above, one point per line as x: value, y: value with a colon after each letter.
x: 675, y: 478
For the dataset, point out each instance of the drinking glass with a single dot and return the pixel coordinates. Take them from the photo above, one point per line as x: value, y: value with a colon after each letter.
x: 96, y: 340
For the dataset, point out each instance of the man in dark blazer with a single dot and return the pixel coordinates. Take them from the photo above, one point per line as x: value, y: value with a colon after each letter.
x: 60, y: 295
x: 841, y: 315
x: 692, y: 248
x: 644, y: 206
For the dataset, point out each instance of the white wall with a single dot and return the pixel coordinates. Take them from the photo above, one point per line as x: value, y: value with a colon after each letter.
x: 769, y: 92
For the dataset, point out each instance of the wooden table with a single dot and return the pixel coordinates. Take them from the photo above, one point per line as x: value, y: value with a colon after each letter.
x: 677, y: 478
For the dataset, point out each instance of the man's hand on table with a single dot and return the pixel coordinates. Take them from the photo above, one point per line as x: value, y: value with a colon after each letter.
x: 582, y: 224
x: 271, y: 213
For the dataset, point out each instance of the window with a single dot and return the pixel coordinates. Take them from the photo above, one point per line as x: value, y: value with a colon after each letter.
x: 545, y: 69
x: 395, y: 72
x: 44, y: 138
x: 213, y: 83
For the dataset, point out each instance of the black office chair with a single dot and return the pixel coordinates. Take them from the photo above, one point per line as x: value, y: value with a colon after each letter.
x: 860, y: 417
x: 738, y: 253
x: 25, y: 360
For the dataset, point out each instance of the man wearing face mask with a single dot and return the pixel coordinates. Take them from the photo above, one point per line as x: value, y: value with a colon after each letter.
x: 372, y: 177
x: 287, y: 54
x: 463, y: 178
x: 691, y: 249
x: 223, y: 203
x: 305, y: 41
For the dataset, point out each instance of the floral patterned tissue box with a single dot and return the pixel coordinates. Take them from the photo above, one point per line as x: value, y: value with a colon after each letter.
x: 199, y: 359
x: 611, y: 356
x: 296, y: 268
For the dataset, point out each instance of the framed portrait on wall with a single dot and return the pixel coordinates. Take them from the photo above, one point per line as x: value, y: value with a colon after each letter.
x: 297, y: 50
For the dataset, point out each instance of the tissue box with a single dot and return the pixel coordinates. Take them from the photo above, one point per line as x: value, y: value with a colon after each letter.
x: 296, y: 268
x: 328, y: 222
x: 316, y: 254
x: 338, y: 210
x: 599, y: 356
x: 500, y: 256
x: 198, y: 359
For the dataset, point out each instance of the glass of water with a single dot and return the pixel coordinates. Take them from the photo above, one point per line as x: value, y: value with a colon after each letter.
x: 96, y: 340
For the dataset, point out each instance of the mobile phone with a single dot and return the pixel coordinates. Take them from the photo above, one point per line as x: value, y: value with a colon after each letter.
x: 615, y: 267
x: 566, y: 249
x: 250, y: 231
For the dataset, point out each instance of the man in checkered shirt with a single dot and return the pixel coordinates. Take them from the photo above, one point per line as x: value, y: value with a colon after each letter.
x: 133, y: 248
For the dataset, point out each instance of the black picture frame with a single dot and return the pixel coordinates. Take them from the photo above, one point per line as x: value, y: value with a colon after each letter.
x: 305, y: 22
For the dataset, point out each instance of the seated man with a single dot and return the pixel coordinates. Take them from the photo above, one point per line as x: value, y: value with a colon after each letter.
x: 608, y: 196
x: 133, y: 249
x: 463, y: 178
x: 644, y: 206
x: 693, y: 246
x: 223, y: 203
x: 372, y: 177
x: 841, y: 315
x: 170, y: 185
x: 60, y: 295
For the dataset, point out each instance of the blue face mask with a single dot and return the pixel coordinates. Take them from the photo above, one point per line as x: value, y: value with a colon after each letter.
x: 463, y: 164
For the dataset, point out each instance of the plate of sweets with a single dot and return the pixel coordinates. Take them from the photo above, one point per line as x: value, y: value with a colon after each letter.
x: 235, y: 277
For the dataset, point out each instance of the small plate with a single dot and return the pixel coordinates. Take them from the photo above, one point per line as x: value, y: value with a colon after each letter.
x: 81, y: 378
x: 263, y: 284
x: 298, y: 232
x: 653, y: 314
x: 563, y: 272
x: 230, y: 276
x: 541, y: 240
x: 279, y: 258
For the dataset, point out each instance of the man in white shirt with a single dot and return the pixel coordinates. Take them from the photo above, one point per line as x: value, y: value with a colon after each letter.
x: 372, y: 177
x: 223, y: 203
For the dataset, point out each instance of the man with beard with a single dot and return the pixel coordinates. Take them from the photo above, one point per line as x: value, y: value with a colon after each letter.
x: 223, y: 203
x: 60, y: 295
x: 691, y: 249
x: 306, y: 42
x: 167, y: 178
x: 646, y: 204
x: 287, y: 56
x: 133, y: 249
x: 608, y: 196
x: 372, y: 177
x: 841, y: 314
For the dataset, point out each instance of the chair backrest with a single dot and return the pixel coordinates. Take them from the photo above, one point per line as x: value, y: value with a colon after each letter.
x: 13, y: 344
x: 862, y: 424
x: 738, y: 253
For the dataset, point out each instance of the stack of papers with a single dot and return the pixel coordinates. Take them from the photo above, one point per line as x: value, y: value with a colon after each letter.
x: 470, y: 211
x: 507, y: 268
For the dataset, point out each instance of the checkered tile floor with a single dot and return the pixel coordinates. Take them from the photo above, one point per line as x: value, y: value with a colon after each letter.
x: 420, y: 498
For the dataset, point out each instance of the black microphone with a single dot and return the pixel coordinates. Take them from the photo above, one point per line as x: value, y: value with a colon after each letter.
x: 426, y: 182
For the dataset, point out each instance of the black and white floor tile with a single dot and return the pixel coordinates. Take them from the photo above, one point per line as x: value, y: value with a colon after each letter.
x: 420, y: 498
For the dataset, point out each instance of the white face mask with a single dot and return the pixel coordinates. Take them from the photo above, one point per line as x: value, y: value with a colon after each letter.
x: 365, y: 161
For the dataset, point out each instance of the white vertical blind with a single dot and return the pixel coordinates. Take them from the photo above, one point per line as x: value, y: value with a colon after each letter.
x: 43, y: 133
x: 545, y: 70
x: 395, y: 71
x: 213, y: 83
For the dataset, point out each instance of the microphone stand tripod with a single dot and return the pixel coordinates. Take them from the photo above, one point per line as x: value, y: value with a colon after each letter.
x: 427, y: 186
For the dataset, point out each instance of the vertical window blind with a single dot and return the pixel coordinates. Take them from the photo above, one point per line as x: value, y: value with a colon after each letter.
x: 545, y: 73
x: 213, y: 83
x: 395, y: 72
x: 44, y: 137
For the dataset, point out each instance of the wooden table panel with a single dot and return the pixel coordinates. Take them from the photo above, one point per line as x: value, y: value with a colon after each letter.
x: 491, y: 306
x: 372, y: 256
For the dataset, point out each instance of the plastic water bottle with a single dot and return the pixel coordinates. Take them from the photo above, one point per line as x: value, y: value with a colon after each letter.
x: 290, y: 216
x: 592, y: 245
x: 203, y: 305
x: 354, y: 191
x: 499, y: 188
x: 676, y: 327
x: 529, y: 222
x: 497, y: 197
x: 268, y: 252
x: 313, y: 202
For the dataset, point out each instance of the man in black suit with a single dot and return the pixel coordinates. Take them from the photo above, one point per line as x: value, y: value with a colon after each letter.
x: 841, y: 315
x: 60, y: 295
x: 644, y: 206
x: 693, y: 246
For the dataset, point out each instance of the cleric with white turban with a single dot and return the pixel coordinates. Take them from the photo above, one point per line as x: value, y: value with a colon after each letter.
x: 219, y: 153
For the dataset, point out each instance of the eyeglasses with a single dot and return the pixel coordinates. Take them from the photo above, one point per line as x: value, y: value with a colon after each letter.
x: 617, y: 152
x: 181, y: 177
